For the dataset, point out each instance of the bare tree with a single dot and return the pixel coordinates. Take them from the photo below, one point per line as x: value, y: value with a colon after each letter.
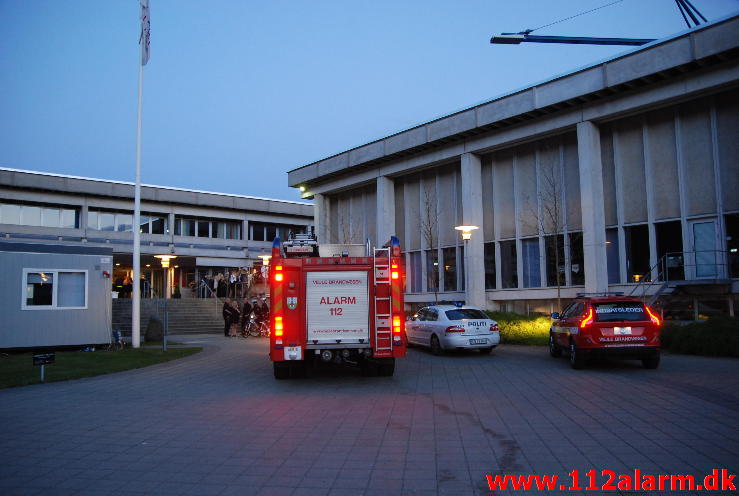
x: 429, y: 229
x: 547, y: 211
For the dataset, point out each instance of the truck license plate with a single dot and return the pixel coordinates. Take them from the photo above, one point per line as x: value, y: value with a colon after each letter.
x: 478, y: 341
x: 293, y: 353
x: 620, y: 331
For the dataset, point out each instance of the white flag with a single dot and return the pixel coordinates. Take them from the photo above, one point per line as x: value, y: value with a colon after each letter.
x: 145, y: 26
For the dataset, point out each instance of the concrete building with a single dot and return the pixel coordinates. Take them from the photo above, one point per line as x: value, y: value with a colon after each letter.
x: 207, y: 232
x: 620, y: 176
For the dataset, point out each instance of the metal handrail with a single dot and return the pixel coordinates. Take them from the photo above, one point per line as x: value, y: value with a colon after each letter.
x: 659, y: 273
x: 647, y: 282
x: 211, y: 292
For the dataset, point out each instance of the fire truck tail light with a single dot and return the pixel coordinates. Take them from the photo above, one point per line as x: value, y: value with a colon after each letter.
x: 588, y: 319
x: 395, y: 274
x: 454, y: 329
x: 394, y: 266
x: 396, y: 323
x: 655, y: 320
x: 278, y: 277
x: 278, y: 325
x: 278, y: 267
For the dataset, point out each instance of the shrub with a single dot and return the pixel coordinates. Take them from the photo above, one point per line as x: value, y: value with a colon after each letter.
x: 522, y: 329
x: 718, y: 336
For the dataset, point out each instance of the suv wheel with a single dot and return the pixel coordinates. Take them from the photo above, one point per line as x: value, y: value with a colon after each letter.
x: 577, y: 361
x: 436, y: 348
x: 554, y: 350
x: 651, y: 362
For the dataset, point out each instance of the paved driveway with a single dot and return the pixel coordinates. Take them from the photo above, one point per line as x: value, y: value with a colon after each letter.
x: 218, y: 423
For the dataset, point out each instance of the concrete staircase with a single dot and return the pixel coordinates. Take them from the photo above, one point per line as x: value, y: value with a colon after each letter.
x: 191, y: 315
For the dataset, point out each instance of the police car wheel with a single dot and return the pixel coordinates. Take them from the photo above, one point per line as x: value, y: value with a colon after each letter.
x: 436, y: 348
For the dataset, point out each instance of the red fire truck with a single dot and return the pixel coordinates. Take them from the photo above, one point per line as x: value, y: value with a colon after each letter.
x: 335, y: 303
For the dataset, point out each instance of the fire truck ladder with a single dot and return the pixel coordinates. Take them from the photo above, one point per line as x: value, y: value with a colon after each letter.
x: 383, y: 305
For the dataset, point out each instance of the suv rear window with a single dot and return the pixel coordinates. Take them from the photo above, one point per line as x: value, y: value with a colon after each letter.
x: 465, y: 313
x: 621, y: 311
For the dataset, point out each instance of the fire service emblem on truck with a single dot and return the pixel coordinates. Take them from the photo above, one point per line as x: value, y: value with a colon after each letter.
x: 292, y: 302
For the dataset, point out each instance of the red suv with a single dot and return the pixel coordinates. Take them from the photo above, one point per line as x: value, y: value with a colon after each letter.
x: 606, y: 324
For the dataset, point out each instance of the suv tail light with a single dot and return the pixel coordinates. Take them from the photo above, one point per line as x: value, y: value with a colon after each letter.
x: 454, y: 329
x: 494, y: 328
x: 655, y: 320
x: 588, y: 319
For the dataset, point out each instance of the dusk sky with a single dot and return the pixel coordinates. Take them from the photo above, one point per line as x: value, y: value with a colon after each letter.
x: 237, y: 93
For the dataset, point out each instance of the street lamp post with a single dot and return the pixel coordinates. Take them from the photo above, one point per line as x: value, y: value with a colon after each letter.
x: 466, y: 235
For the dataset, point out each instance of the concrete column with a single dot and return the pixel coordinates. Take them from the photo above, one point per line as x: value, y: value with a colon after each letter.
x: 472, y: 210
x: 593, y: 212
x: 170, y: 226
x: 245, y: 230
x: 385, y: 210
x: 84, y: 212
x: 322, y: 218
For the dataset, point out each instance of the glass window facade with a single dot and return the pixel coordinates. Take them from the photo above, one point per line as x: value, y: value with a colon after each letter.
x: 201, y: 228
x: 508, y: 261
x: 262, y: 231
x: 432, y: 271
x: 577, y: 260
x: 530, y: 263
x: 39, y: 289
x: 554, y: 247
x: 450, y: 268
x: 41, y: 216
x: 490, y: 281
x: 107, y: 220
x: 414, y: 270
x: 54, y: 289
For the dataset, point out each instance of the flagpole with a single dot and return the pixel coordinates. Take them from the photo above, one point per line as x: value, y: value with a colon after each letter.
x: 136, y: 310
x: 136, y: 303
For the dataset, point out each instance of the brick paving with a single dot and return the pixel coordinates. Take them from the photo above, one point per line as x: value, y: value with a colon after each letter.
x: 218, y: 424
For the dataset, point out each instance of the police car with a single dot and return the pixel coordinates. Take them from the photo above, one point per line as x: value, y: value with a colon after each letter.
x: 606, y: 324
x: 448, y: 327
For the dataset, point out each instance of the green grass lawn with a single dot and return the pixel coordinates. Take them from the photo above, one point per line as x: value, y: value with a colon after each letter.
x: 522, y: 329
x: 17, y: 369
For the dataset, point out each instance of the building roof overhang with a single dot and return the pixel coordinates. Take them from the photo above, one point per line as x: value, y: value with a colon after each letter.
x: 692, y: 50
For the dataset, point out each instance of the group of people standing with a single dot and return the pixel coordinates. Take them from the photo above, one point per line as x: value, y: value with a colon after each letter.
x: 233, y: 284
x: 236, y: 317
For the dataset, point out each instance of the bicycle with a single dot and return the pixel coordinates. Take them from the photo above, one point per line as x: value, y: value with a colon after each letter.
x: 252, y: 328
x: 263, y: 328
x: 116, y: 342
